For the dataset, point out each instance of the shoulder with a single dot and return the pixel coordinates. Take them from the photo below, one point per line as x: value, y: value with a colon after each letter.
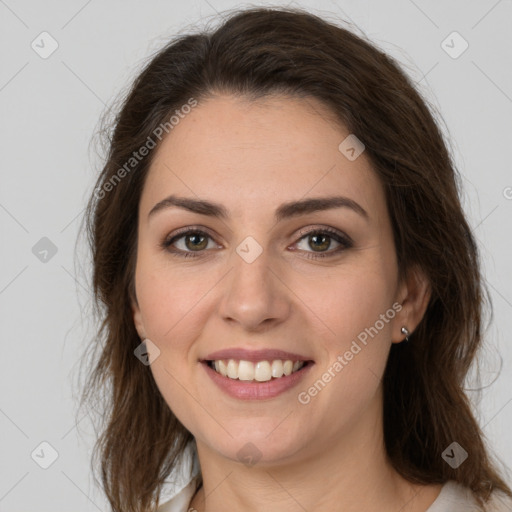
x: 454, y: 497
x: 499, y: 502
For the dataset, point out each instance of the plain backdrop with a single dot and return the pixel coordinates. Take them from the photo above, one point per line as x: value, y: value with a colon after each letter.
x: 50, y: 106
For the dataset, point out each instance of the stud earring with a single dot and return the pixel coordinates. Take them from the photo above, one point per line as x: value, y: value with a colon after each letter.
x: 405, y: 331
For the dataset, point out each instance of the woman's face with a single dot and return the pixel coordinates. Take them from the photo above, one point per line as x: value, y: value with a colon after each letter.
x: 254, y: 281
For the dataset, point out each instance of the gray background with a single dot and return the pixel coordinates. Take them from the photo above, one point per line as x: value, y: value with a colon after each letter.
x: 49, y: 110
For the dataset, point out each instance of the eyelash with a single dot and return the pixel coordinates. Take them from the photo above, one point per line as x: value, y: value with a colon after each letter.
x: 344, y: 240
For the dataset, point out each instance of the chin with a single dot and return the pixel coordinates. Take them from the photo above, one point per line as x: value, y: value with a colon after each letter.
x: 250, y: 446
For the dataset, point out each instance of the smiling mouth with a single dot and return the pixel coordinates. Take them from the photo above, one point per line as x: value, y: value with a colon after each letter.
x: 259, y: 371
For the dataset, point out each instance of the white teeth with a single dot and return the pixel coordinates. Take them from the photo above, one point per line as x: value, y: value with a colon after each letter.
x: 277, y: 368
x: 245, y: 370
x: 262, y: 371
x: 232, y: 369
x: 223, y: 369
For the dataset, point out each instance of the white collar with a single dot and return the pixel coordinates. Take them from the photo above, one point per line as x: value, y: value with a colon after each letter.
x: 182, y: 483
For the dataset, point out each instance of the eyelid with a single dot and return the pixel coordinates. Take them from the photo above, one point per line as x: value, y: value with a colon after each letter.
x: 326, y: 229
x: 180, y: 233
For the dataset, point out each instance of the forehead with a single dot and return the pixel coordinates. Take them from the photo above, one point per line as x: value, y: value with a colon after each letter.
x: 260, y: 152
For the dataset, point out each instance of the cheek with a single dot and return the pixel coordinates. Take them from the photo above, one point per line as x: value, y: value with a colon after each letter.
x: 360, y: 313
x: 170, y: 300
x: 173, y: 315
x: 355, y: 300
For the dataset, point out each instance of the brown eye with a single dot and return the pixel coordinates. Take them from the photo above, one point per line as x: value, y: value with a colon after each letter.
x: 195, y: 241
x: 321, y: 240
x: 187, y: 242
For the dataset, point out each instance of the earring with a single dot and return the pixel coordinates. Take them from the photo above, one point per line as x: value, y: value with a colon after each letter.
x: 405, y: 331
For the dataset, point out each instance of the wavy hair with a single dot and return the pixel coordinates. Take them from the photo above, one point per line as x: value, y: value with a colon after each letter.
x: 254, y: 53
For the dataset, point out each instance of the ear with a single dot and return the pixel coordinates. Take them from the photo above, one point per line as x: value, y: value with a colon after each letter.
x: 414, y: 294
x: 137, y: 319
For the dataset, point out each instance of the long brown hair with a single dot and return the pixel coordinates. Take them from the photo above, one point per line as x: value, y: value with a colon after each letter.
x: 253, y: 53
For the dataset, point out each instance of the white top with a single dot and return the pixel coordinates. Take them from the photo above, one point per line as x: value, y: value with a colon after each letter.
x: 177, y: 492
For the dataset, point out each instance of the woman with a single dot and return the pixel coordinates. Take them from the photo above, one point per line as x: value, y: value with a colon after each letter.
x: 289, y: 291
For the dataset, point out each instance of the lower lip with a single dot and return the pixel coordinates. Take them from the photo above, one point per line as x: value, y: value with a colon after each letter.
x: 254, y: 390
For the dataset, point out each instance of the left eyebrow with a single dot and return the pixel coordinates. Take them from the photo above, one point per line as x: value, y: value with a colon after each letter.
x: 285, y: 210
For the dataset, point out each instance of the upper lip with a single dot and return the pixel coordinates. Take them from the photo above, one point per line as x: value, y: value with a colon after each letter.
x: 255, y: 355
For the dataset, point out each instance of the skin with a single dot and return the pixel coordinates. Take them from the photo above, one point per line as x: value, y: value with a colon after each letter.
x: 328, y: 454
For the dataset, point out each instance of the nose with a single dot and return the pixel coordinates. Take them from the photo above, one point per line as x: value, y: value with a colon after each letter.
x: 255, y: 297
